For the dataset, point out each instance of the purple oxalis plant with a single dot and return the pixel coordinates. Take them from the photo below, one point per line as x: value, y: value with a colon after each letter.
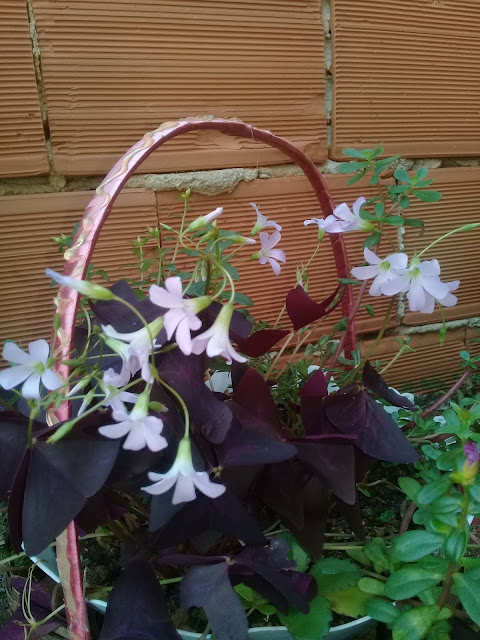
x: 131, y: 412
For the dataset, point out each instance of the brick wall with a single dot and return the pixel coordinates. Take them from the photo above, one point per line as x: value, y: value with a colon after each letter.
x: 82, y: 80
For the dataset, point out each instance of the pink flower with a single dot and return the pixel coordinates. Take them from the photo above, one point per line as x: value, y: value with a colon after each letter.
x: 423, y: 286
x: 201, y: 221
x: 216, y: 340
x: 383, y: 271
x: 262, y: 221
x: 268, y: 253
x: 31, y: 368
x: 348, y: 220
x: 141, y: 429
x: 181, y: 316
x: 471, y: 451
x: 183, y: 476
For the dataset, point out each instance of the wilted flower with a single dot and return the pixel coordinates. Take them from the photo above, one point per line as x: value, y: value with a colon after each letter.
x: 423, y: 286
x: 183, y: 475
x: 201, y: 221
x: 93, y: 291
x: 330, y: 224
x: 140, y: 345
x: 268, y: 253
x: 143, y: 430
x: 262, y: 221
x: 30, y: 368
x: 350, y: 220
x: 216, y: 340
x: 382, y: 271
x: 181, y: 316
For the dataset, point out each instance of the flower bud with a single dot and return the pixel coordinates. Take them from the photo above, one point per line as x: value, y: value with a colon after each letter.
x: 201, y: 221
x: 93, y: 291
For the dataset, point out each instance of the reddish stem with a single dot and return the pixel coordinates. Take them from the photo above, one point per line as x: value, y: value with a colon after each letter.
x: 79, y: 255
x: 412, y: 507
x: 438, y: 403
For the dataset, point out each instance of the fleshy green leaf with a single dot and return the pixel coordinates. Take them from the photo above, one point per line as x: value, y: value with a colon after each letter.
x: 372, y: 240
x: 433, y: 490
x: 456, y: 544
x: 428, y: 196
x: 401, y: 174
x: 382, y: 611
x: 348, y: 167
x: 354, y: 153
x: 371, y: 586
x: 415, y: 623
x: 349, y: 602
x: 410, y: 487
x: 376, y: 552
x: 309, y: 626
x: 394, y: 220
x: 333, y: 574
x: 413, y: 545
x: 410, y: 580
x: 355, y: 178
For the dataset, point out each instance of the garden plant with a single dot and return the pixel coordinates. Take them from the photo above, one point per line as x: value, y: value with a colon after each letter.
x: 215, y: 447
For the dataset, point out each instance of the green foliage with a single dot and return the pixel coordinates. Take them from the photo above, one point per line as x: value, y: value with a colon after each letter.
x: 413, y: 545
x: 414, y: 623
x: 309, y: 626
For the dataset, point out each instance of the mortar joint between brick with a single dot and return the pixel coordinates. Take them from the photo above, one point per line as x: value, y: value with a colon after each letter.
x: 42, y: 98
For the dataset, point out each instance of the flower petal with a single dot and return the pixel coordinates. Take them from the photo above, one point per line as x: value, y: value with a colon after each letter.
x: 275, y: 266
x: 449, y: 300
x: 117, y: 430
x: 13, y: 353
x: 396, y: 285
x: 416, y: 297
x: 206, y: 486
x: 39, y: 350
x: 51, y: 380
x: 397, y: 260
x: 371, y: 257
x: 343, y: 212
x: 162, y: 485
x: 184, y: 490
x: 435, y: 287
x: 277, y: 254
x: 162, y: 298
x: 183, y: 337
x: 364, y: 273
x: 174, y: 286
x: 357, y: 205
x: 12, y: 376
x: 31, y: 387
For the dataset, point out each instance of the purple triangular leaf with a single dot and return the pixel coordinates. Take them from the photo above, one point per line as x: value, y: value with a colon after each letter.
x: 354, y: 411
x: 13, y: 442
x: 252, y: 447
x: 280, y: 487
x: 272, y: 564
x: 332, y: 463
x: 374, y: 382
x: 261, y: 341
x: 40, y: 607
x: 186, y: 375
x: 253, y: 405
x: 60, y: 479
x: 136, y: 608
x: 302, y: 310
x: 353, y: 515
x: 210, y: 588
x: 224, y: 514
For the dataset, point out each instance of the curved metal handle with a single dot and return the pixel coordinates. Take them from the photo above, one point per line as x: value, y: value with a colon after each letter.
x: 79, y: 255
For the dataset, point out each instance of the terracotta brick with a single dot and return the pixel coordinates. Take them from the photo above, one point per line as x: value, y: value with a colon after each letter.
x: 26, y: 308
x: 459, y: 254
x: 115, y: 69
x: 433, y: 366
x: 408, y: 74
x: 22, y: 143
x: 288, y: 201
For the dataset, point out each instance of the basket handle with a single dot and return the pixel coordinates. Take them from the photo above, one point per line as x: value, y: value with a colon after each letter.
x: 79, y: 254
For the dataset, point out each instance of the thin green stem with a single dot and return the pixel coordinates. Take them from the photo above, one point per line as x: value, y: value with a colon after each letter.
x: 181, y: 402
x: 400, y: 352
x: 443, y: 237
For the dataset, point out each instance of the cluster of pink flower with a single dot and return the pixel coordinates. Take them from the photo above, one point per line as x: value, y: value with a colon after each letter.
x: 393, y: 274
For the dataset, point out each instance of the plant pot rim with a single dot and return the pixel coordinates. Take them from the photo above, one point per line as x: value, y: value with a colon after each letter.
x: 46, y: 561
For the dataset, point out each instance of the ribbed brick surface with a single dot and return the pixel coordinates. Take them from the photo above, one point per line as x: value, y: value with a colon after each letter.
x: 433, y: 366
x: 408, y: 74
x: 22, y: 144
x: 288, y: 201
x: 115, y: 69
x: 26, y: 308
x: 458, y: 255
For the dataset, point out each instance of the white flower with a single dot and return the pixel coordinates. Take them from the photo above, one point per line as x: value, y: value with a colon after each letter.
x: 93, y: 291
x: 350, y: 221
x: 216, y: 340
x: 383, y: 271
x: 30, y: 368
x: 423, y: 286
x: 181, y: 316
x: 140, y: 345
x: 268, y: 253
x: 262, y: 221
x: 111, y: 382
x: 183, y: 475
x: 325, y: 224
x: 143, y: 430
x: 201, y: 221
